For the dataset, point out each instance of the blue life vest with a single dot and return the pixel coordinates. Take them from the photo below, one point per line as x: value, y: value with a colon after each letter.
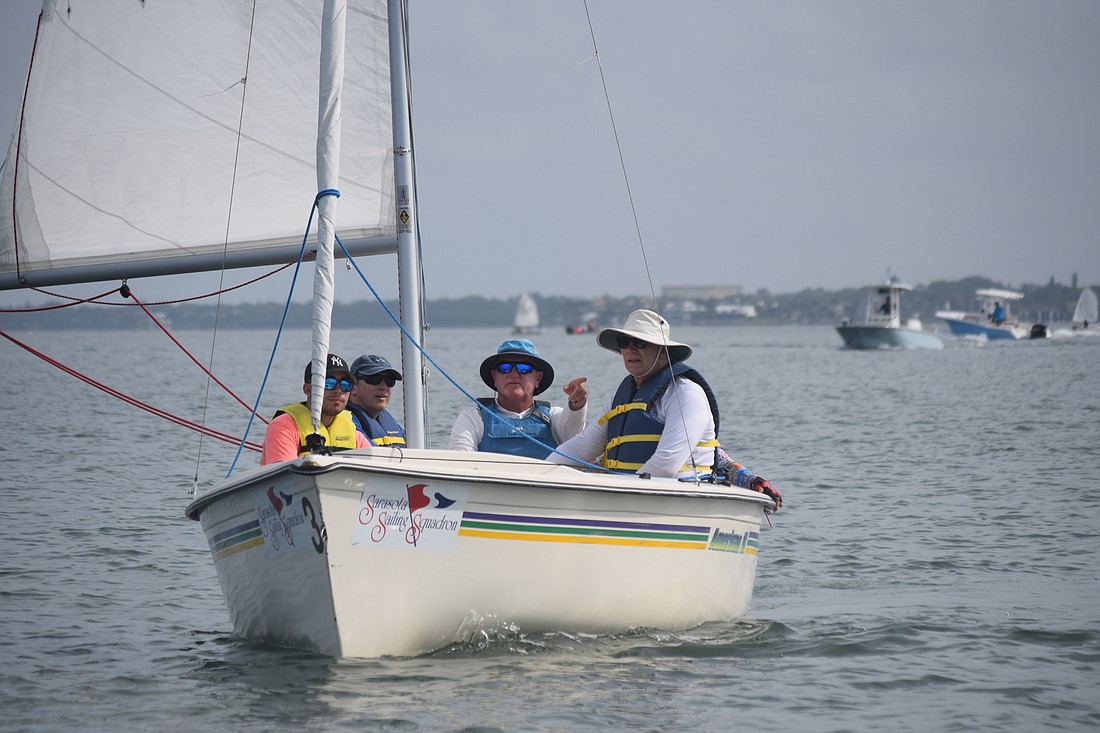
x: 501, y: 434
x: 381, y: 432
x: 633, y: 432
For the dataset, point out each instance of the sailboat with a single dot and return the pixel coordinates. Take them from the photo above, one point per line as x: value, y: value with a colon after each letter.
x: 195, y: 121
x: 527, y: 316
x: 1085, y: 314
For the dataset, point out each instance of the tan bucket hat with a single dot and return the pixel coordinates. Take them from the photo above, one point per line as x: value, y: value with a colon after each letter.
x: 644, y: 325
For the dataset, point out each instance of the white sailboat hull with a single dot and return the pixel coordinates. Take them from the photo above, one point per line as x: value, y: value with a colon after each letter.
x: 526, y: 546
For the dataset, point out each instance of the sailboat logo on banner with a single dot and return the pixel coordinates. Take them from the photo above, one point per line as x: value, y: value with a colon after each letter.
x: 410, y: 516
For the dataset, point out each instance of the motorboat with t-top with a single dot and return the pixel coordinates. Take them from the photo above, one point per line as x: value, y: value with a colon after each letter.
x: 992, y: 317
x: 882, y: 326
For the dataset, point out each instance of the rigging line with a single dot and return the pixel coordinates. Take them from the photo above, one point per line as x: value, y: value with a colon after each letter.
x: 188, y: 354
x: 278, y: 336
x: 634, y: 213
x: 225, y: 243
x: 622, y: 160
x: 96, y: 299
x: 164, y: 414
x: 442, y: 371
x: 18, y: 148
x: 75, y: 301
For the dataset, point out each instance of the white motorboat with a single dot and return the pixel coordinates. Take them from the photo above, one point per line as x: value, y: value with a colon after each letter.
x: 992, y: 317
x: 882, y: 326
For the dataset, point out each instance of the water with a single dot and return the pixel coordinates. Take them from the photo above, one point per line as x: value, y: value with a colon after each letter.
x: 935, y: 566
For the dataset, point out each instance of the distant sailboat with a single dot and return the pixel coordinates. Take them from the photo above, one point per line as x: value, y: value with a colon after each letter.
x: 527, y: 316
x: 1086, y: 311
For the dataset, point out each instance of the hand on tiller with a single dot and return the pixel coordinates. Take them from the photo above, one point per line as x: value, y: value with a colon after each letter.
x: 761, y: 485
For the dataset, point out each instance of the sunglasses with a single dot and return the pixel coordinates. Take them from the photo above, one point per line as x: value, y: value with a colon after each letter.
x: 625, y: 341
x: 377, y: 379
x: 344, y: 384
x: 521, y: 367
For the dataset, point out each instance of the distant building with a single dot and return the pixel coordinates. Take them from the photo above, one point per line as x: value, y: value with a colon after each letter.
x: 701, y: 292
x: 735, y: 309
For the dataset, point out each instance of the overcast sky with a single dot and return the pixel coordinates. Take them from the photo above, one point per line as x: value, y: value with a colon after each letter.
x: 771, y: 145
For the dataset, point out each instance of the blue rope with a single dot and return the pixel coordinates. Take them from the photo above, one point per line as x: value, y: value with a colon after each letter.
x: 282, y: 325
x: 443, y: 371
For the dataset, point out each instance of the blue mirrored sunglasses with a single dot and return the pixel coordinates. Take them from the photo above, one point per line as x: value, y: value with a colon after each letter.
x: 344, y: 384
x: 521, y: 367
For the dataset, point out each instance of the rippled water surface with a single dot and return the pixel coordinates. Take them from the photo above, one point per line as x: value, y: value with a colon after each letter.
x: 936, y: 566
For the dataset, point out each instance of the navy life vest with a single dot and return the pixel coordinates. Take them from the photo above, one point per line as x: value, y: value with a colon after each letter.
x: 633, y: 432
x: 381, y: 432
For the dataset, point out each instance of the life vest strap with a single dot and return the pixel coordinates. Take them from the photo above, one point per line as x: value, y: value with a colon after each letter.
x: 632, y: 439
x: 626, y: 407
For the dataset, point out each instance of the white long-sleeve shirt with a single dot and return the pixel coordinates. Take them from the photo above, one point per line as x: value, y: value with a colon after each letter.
x: 686, y: 414
x: 469, y: 428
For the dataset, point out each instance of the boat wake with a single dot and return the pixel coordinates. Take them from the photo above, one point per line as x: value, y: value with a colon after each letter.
x: 710, y: 640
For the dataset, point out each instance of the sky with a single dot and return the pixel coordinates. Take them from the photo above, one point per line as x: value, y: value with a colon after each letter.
x: 768, y: 145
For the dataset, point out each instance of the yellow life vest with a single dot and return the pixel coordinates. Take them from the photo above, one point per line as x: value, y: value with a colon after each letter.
x: 339, y: 435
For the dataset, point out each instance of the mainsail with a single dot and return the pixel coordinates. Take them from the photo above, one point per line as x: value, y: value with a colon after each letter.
x: 1086, y: 311
x: 527, y: 315
x: 158, y: 138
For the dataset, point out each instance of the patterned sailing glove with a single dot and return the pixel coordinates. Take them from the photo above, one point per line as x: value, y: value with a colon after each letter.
x: 761, y: 485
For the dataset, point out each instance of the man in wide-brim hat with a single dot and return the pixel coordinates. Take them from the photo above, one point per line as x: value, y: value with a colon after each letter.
x: 663, y: 418
x: 512, y: 421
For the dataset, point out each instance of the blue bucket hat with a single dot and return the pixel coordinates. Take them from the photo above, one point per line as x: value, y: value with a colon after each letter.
x: 521, y: 350
x: 368, y: 365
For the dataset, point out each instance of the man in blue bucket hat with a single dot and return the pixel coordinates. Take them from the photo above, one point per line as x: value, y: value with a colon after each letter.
x: 508, y: 422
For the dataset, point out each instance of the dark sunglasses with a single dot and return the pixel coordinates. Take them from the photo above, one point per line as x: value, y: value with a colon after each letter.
x: 344, y: 384
x: 624, y: 341
x: 521, y: 367
x: 377, y: 379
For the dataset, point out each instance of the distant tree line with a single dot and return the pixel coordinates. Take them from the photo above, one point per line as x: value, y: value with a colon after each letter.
x: 1049, y: 303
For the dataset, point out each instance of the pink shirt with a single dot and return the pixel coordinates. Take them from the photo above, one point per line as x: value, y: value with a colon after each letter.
x: 281, y: 440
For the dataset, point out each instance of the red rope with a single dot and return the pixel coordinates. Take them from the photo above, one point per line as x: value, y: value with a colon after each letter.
x: 75, y: 301
x: 198, y: 363
x: 95, y: 299
x: 226, y: 437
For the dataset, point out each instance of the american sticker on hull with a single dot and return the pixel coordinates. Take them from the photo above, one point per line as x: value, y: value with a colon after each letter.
x: 744, y: 543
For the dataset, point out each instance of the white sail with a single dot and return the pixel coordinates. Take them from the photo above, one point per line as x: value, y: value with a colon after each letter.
x: 167, y: 137
x: 1086, y: 307
x: 527, y: 315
